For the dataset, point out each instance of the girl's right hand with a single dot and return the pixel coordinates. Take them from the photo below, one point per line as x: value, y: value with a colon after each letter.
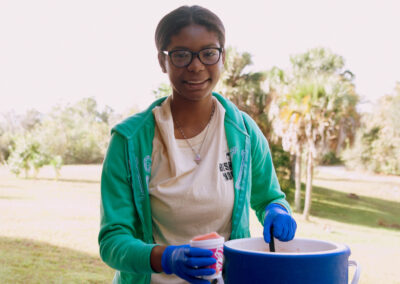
x: 188, y: 263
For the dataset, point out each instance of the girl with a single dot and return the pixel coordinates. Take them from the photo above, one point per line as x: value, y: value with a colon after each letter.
x: 192, y: 163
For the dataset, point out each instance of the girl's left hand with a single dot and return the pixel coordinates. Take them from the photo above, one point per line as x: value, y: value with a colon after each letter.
x: 284, y: 224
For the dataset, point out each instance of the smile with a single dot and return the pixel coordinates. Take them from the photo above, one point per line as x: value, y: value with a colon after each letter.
x: 196, y: 82
x: 196, y: 85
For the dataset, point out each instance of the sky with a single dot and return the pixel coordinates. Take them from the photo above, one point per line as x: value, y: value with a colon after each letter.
x: 56, y: 52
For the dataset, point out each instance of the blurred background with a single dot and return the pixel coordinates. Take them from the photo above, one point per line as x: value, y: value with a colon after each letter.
x: 321, y: 79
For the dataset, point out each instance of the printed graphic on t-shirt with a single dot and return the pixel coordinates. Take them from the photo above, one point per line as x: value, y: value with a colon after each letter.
x: 226, y: 168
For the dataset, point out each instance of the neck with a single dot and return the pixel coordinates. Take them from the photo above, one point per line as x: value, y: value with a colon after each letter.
x: 191, y: 116
x: 191, y: 112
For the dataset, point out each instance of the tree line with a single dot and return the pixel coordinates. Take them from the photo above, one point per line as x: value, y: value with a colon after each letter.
x: 308, y: 110
x: 68, y: 134
x: 308, y: 113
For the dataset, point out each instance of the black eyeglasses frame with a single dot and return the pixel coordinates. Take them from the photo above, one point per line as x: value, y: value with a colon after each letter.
x: 169, y: 53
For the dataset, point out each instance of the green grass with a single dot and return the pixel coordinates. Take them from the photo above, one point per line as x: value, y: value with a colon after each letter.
x: 28, y: 261
x: 366, y: 211
x: 346, y: 200
x: 367, y: 223
x: 48, y: 229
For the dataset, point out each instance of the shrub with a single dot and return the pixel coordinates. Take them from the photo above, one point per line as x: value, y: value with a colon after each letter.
x: 330, y: 158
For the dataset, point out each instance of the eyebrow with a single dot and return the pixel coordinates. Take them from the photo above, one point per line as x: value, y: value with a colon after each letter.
x: 213, y: 45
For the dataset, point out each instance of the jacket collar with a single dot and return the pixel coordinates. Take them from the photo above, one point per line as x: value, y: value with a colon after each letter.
x: 132, y: 124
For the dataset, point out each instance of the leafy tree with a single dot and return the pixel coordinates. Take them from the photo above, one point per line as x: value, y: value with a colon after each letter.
x: 11, y: 125
x: 317, y: 108
x: 26, y: 155
x: 31, y: 118
x: 78, y: 133
x: 5, y: 143
x: 377, y: 145
x: 247, y: 90
x: 163, y: 90
x: 56, y: 162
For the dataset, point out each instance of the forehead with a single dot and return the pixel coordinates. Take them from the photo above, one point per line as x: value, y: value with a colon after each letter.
x: 194, y: 37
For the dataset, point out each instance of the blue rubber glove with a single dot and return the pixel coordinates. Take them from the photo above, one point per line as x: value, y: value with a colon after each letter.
x: 188, y: 262
x: 284, y: 224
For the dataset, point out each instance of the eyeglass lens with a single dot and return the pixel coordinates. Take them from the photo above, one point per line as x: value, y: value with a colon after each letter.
x: 207, y: 56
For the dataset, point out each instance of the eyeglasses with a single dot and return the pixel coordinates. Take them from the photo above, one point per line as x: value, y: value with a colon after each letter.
x: 183, y: 58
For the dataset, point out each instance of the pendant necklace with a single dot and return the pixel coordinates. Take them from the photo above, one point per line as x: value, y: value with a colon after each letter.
x: 197, y: 157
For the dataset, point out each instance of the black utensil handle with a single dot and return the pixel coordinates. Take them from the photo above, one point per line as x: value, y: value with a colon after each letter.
x: 271, y: 242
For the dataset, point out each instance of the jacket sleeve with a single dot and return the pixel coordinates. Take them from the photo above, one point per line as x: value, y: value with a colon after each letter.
x: 120, y: 246
x: 265, y: 185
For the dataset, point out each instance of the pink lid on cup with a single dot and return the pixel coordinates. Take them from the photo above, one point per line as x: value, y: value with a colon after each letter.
x: 212, y: 235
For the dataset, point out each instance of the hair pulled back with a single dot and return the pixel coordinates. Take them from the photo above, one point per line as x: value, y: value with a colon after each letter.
x: 173, y: 22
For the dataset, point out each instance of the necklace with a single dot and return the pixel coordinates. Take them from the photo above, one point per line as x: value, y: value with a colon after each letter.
x: 197, y: 157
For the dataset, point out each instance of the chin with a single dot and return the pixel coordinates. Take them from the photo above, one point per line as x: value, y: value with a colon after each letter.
x: 194, y: 95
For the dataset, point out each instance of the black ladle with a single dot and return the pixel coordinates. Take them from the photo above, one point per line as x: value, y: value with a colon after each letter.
x: 271, y: 242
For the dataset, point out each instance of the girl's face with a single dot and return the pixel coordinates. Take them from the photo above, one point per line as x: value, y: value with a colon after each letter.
x: 196, y: 80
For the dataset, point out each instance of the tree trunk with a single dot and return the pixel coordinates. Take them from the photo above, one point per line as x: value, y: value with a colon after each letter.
x: 35, y: 173
x: 293, y: 167
x: 297, y: 194
x: 310, y: 170
x: 341, y: 137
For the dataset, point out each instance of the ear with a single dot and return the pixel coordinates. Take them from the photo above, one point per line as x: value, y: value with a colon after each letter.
x: 161, y: 61
x: 223, y: 56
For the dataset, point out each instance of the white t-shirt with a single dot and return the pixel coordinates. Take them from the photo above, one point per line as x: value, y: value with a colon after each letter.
x: 189, y: 199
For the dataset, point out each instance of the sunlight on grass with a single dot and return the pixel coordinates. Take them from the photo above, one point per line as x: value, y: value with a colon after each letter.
x: 49, y: 228
x: 355, y: 222
x: 27, y: 261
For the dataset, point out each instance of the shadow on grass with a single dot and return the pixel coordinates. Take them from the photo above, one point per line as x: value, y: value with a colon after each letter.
x: 9, y: 186
x: 28, y: 261
x: 395, y: 184
x: 12, y: 197
x: 353, y: 209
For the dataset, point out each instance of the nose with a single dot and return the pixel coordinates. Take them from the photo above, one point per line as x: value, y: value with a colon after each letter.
x: 195, y: 65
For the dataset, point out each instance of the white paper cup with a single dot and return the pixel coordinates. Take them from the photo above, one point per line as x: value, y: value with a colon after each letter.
x: 217, y: 247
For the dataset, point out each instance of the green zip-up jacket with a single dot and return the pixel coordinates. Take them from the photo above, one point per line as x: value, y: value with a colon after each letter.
x: 126, y: 237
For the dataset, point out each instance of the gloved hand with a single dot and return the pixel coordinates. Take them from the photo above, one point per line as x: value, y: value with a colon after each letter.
x: 188, y: 262
x: 284, y: 224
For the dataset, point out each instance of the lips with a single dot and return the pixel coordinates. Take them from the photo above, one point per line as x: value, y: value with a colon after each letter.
x: 196, y: 84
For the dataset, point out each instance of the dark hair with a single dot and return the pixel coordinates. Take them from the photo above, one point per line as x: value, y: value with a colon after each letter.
x: 173, y: 22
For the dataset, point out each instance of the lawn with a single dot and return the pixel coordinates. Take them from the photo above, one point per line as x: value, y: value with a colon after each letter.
x: 48, y: 229
x: 28, y: 261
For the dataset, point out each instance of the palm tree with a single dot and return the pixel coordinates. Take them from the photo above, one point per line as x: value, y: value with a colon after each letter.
x: 317, y: 108
x: 253, y: 93
x: 245, y: 89
x: 295, y: 124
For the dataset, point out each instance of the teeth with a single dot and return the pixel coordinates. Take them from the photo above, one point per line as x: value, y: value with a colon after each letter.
x: 196, y: 82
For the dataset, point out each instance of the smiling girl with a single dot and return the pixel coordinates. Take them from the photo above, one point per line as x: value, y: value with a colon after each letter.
x: 192, y: 163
